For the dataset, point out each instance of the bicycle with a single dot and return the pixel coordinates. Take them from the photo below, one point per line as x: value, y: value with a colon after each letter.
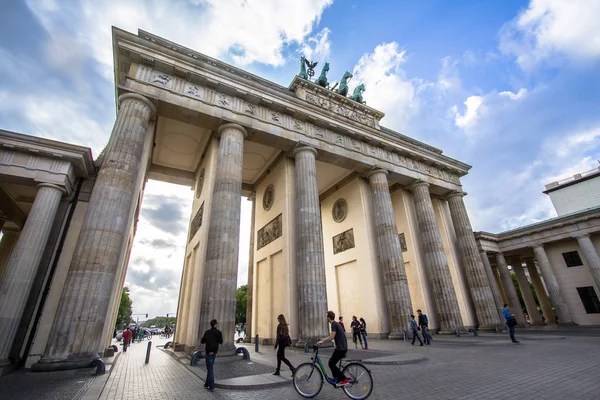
x: 308, y: 378
x: 165, y: 335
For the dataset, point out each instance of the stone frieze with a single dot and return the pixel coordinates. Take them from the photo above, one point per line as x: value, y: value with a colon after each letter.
x: 269, y: 232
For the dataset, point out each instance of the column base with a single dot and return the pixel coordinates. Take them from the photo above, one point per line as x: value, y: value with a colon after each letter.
x: 4, y: 363
x: 62, y: 364
x: 396, y: 335
x: 490, y: 328
x: 537, y: 323
x: 570, y: 323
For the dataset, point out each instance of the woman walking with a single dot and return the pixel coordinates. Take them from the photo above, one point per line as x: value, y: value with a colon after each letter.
x: 283, y: 340
x: 363, y: 332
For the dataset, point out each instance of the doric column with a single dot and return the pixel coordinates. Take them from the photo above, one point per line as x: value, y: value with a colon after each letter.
x: 24, y: 262
x: 493, y: 285
x: 78, y: 328
x: 479, y: 286
x: 540, y: 291
x: 591, y: 257
x: 248, y: 337
x: 532, y: 311
x: 436, y: 262
x: 500, y: 285
x: 223, y: 247
x: 7, y: 244
x: 509, y: 288
x: 310, y: 262
x: 562, y: 312
x: 395, y: 283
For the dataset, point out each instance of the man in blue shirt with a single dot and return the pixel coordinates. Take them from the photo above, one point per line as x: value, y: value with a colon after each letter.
x: 341, y: 348
x: 510, y: 323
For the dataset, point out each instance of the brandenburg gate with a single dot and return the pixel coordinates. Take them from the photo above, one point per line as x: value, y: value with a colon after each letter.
x: 347, y: 215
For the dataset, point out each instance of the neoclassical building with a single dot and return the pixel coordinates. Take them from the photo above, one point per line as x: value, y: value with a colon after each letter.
x: 347, y: 214
x: 559, y: 256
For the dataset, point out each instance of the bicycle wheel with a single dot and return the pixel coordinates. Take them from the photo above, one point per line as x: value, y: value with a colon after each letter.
x: 361, y: 381
x: 162, y: 336
x: 308, y: 380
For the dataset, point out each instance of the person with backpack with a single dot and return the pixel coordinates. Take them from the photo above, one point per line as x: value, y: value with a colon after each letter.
x: 355, y: 325
x: 424, y: 325
x: 415, y: 328
x: 511, y: 322
x: 283, y: 340
x: 363, y: 332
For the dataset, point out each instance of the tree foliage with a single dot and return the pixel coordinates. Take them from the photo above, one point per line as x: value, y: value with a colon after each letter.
x: 125, y: 310
x: 241, y: 300
x: 159, y: 322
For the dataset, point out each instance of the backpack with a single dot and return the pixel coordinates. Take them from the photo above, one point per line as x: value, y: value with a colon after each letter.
x: 425, y: 320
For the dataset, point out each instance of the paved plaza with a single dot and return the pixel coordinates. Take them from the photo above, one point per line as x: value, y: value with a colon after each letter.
x: 546, y: 365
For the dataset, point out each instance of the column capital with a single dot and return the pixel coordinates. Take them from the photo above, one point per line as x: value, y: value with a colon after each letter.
x: 52, y: 186
x: 138, y: 97
x: 455, y: 193
x: 304, y: 148
x: 581, y: 236
x: 377, y: 171
x: 537, y: 246
x: 232, y: 126
x: 418, y: 184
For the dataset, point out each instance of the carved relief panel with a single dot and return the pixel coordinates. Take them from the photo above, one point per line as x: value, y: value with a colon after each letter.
x: 343, y: 241
x: 269, y: 232
x: 196, y: 222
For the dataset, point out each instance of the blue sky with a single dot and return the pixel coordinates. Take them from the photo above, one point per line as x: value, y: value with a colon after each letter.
x: 511, y: 88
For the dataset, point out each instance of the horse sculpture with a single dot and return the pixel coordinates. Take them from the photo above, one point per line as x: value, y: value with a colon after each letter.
x: 322, y: 79
x: 357, y: 95
x: 343, y: 89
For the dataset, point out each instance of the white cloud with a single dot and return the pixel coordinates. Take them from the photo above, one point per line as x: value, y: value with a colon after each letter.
x: 318, y: 47
x: 553, y: 27
x: 514, y: 96
x: 466, y: 120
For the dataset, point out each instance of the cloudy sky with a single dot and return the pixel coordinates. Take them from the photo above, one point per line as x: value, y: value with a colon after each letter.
x: 512, y: 88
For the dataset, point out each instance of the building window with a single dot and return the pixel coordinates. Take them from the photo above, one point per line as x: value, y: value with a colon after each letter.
x: 572, y: 259
x: 589, y: 299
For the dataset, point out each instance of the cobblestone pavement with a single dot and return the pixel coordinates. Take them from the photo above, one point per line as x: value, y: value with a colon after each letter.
x: 61, y: 385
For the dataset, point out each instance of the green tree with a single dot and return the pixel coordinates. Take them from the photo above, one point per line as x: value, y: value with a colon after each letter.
x: 518, y: 288
x: 241, y: 300
x: 159, y: 322
x: 125, y: 310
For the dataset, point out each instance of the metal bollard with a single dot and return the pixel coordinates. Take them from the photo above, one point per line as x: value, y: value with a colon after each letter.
x: 195, y: 356
x: 244, y: 352
x: 148, y: 352
x: 457, y: 333
x: 256, y: 343
x: 306, y: 347
x: 100, y: 367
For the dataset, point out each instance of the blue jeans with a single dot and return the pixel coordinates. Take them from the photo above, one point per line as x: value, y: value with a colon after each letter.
x: 210, y: 375
x: 426, y: 335
x: 364, y: 336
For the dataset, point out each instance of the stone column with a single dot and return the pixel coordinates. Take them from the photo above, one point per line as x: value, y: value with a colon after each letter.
x: 436, y: 263
x: 493, y: 285
x: 78, y: 328
x: 310, y: 261
x: 24, y: 262
x: 532, y: 311
x: 498, y: 279
x: 562, y: 312
x: 509, y: 288
x: 395, y: 283
x: 248, y: 337
x: 7, y: 244
x: 223, y: 247
x: 545, y: 304
x: 479, y: 285
x: 591, y: 257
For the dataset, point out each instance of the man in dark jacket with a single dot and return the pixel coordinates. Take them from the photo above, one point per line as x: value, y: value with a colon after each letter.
x: 424, y: 325
x: 212, y: 338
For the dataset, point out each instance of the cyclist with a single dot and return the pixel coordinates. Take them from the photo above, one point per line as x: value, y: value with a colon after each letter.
x: 341, y: 348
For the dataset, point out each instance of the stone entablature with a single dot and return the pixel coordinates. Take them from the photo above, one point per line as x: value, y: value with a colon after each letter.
x: 552, y: 230
x: 278, y: 107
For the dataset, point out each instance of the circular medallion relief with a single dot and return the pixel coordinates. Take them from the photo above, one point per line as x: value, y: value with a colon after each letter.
x: 199, y: 183
x: 268, y: 197
x: 340, y: 210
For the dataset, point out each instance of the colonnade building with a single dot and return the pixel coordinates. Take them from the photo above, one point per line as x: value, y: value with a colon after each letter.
x: 559, y: 256
x: 347, y: 214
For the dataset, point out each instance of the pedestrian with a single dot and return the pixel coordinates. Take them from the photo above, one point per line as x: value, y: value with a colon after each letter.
x: 511, y: 322
x: 342, y: 323
x: 212, y: 338
x: 341, y: 348
x: 126, y: 338
x: 355, y: 325
x: 415, y: 328
x: 283, y: 340
x: 424, y: 325
x: 363, y: 332
x: 134, y: 334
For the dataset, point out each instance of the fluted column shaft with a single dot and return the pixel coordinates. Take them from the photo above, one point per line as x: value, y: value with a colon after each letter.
x: 509, y: 288
x: 7, y: 244
x: 591, y: 257
x: 479, y: 286
x: 24, y: 262
x: 493, y: 285
x: 389, y: 253
x: 542, y: 296
x: 223, y: 247
x: 310, y: 261
x: 250, y: 297
x: 78, y: 327
x: 562, y: 312
x: 436, y: 263
x: 532, y: 311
